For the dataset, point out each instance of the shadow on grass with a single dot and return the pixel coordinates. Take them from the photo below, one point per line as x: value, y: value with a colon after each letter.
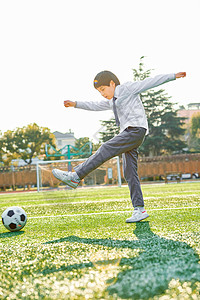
x: 159, y: 261
x: 10, y: 234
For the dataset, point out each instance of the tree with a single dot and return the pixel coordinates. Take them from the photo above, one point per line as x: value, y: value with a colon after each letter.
x: 195, y: 125
x: 1, y: 147
x: 194, y: 136
x: 111, y: 129
x: 165, y: 127
x: 80, y: 143
x: 27, y: 142
x: 8, y: 148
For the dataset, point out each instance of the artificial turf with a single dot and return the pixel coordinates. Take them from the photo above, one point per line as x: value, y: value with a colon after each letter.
x: 76, y: 245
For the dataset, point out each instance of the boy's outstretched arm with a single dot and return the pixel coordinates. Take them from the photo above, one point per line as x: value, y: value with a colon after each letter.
x: 138, y: 87
x: 90, y: 105
x: 180, y: 74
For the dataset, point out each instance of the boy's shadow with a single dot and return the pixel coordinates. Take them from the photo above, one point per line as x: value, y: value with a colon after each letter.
x: 159, y: 261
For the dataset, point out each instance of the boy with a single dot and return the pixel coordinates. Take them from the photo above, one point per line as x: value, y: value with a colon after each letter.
x: 129, y: 113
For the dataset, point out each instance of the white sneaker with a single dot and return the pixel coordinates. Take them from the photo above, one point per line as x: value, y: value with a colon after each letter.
x: 138, y: 215
x: 70, y: 178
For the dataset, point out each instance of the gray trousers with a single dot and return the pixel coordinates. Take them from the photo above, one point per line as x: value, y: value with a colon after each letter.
x: 125, y: 143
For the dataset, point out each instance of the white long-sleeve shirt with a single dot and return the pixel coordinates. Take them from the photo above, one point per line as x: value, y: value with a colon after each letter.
x: 129, y: 106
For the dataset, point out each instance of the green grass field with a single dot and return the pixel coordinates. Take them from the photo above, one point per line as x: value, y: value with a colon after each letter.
x: 76, y: 245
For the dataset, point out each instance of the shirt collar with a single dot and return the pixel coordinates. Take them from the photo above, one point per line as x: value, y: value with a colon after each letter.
x: 116, y: 93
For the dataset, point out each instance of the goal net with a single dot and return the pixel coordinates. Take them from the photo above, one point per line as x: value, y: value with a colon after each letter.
x: 107, y: 174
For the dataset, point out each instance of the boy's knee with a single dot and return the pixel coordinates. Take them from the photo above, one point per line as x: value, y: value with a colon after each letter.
x: 104, y: 148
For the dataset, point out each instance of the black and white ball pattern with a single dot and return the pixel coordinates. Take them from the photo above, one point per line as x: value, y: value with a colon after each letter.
x: 14, y: 218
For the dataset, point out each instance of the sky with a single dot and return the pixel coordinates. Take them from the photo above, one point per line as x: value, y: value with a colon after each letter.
x: 50, y: 51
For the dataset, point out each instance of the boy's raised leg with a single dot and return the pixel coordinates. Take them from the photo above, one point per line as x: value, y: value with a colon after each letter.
x: 127, y: 140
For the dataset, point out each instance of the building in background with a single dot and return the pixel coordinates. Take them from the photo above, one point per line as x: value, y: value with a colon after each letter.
x: 63, y: 139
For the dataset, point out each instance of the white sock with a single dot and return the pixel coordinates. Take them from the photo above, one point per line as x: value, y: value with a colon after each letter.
x: 141, y: 208
x: 76, y: 177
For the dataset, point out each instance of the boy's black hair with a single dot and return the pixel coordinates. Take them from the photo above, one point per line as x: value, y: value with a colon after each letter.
x: 104, y: 78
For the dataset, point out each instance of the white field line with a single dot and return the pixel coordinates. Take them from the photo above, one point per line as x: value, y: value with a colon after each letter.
x: 114, y: 212
x: 79, y: 202
x: 85, y: 196
x: 108, y: 200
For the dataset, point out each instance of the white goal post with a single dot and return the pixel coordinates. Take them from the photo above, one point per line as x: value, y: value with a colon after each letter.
x: 107, y: 174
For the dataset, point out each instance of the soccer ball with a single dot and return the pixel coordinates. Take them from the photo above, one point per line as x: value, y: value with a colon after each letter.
x: 14, y: 218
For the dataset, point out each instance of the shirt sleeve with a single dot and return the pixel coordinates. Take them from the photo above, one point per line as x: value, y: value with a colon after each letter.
x: 95, y: 106
x: 148, y: 83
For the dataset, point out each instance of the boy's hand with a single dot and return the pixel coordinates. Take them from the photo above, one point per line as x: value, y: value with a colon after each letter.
x: 180, y: 74
x: 68, y: 103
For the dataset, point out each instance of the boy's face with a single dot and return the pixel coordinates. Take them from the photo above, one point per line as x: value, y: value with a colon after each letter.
x: 107, y: 91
